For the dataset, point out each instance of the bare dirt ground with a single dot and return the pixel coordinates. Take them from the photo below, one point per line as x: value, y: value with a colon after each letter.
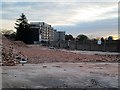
x: 58, y: 68
x: 61, y: 75
x: 39, y: 54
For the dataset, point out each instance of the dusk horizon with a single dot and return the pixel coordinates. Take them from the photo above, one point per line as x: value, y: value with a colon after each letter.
x: 95, y: 20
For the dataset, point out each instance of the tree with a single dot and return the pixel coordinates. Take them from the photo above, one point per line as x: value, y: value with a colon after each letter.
x: 22, y: 28
x: 69, y: 37
x: 110, y: 38
x: 82, y: 37
x: 102, y: 40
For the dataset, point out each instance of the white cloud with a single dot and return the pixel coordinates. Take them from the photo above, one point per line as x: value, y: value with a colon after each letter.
x: 60, y: 0
x: 72, y: 13
x: 95, y: 12
x: 59, y: 14
x: 63, y: 13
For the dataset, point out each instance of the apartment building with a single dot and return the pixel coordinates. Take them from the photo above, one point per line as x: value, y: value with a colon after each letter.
x: 45, y: 32
x: 59, y: 35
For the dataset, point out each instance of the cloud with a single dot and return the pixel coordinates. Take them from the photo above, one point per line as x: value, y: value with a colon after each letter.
x: 72, y: 17
x: 60, y: 0
x: 60, y: 12
x: 96, y: 29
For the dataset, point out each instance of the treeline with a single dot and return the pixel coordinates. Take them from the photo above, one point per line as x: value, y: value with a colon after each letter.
x: 83, y: 37
x: 25, y: 34
x: 10, y: 34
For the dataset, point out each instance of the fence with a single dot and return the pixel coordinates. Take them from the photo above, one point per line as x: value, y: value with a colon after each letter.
x: 111, y: 46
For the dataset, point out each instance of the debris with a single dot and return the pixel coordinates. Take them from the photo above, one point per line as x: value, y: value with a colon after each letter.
x: 44, y: 66
x: 57, y: 66
x: 10, y: 54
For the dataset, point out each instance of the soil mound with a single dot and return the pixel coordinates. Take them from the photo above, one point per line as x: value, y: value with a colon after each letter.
x: 10, y: 51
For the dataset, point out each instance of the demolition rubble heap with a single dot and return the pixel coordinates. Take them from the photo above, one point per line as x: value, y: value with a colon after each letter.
x: 10, y: 52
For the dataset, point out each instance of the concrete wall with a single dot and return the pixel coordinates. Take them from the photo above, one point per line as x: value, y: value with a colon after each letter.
x: 111, y: 46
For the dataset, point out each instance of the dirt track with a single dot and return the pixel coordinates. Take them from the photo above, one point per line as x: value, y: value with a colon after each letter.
x: 49, y: 75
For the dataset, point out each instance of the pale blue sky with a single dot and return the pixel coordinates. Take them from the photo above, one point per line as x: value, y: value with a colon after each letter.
x: 90, y: 18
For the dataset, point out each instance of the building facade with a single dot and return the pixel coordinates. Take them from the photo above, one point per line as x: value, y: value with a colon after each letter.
x: 45, y: 32
x: 59, y: 36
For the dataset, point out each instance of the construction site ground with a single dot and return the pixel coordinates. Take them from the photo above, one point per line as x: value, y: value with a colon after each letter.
x: 59, y: 68
x: 39, y: 54
x: 61, y: 75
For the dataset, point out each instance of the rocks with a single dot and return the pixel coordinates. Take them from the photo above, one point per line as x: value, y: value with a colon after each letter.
x: 9, y: 52
x: 44, y: 66
x: 8, y: 59
x: 8, y: 56
x: 20, y: 44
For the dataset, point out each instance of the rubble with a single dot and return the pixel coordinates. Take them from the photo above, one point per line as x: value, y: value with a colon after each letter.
x: 20, y: 44
x: 10, y: 52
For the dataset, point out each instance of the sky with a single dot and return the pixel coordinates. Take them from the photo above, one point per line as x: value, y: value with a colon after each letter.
x: 94, y: 19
